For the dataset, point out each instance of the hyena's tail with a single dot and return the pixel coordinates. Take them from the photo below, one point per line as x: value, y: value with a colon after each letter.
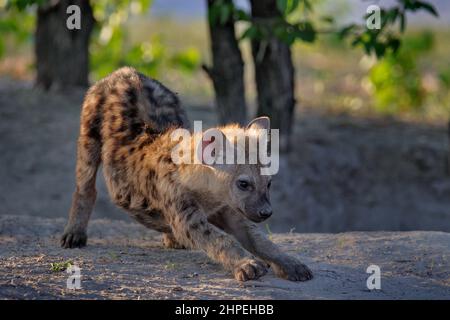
x: 89, y: 143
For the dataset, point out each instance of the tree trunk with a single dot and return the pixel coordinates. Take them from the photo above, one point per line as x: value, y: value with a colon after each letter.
x: 227, y: 71
x: 274, y: 73
x: 62, y: 55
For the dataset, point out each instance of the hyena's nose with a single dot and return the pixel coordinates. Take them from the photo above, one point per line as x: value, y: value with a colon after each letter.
x: 265, y: 213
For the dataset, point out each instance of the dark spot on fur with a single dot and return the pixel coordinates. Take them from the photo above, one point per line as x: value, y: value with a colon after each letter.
x: 169, y: 202
x: 189, y: 215
x: 95, y: 123
x: 123, y: 127
x: 166, y: 158
x: 151, y: 174
x: 186, y: 204
x: 113, y: 153
x: 149, y: 93
x: 129, y: 112
x: 207, y: 232
x: 154, y: 193
x: 194, y: 226
x: 131, y: 150
x: 136, y: 129
x: 132, y: 95
x: 144, y: 143
x: 155, y: 212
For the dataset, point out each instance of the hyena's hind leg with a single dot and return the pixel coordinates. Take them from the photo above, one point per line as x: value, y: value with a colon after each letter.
x: 88, y: 160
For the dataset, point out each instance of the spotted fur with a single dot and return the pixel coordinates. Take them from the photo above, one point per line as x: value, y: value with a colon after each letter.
x: 126, y: 125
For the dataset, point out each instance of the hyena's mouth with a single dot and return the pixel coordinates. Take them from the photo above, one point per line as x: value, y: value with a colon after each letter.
x: 252, y: 217
x: 258, y: 219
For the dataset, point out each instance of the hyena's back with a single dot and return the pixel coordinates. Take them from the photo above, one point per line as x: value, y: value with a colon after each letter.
x: 124, y: 104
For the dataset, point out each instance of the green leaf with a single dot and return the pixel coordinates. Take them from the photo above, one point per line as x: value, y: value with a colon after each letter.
x: 427, y: 7
x: 252, y: 32
x: 306, y: 32
x: 225, y: 13
x: 282, y: 5
x: 347, y: 30
x: 380, y: 49
x: 394, y: 44
x: 293, y: 4
x: 187, y: 60
x: 327, y: 19
x: 286, y: 7
x: 213, y: 14
x: 391, y: 15
x: 241, y: 15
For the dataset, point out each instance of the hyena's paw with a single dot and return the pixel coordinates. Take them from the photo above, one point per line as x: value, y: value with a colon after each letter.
x: 73, y: 239
x: 249, y: 269
x: 170, y: 243
x: 292, y: 269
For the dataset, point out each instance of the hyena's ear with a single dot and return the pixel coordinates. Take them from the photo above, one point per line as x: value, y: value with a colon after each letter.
x: 210, y: 150
x: 259, y: 123
x: 262, y: 125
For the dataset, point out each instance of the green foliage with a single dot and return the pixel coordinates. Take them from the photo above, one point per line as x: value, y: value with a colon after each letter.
x: 16, y: 24
x: 269, y: 232
x: 111, y: 49
x: 222, y: 11
x: 295, y: 23
x: 60, y: 266
x: 397, y: 79
x: 281, y: 27
x: 187, y: 60
x: 385, y: 40
x: 287, y: 6
x: 23, y: 4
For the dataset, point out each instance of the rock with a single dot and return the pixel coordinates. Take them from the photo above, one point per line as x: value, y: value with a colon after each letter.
x: 413, y: 265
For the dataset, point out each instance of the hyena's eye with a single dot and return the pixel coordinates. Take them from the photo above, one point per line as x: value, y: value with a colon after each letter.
x: 243, y: 185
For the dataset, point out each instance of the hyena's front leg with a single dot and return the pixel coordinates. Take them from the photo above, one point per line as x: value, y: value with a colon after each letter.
x: 192, y: 229
x: 170, y: 242
x: 88, y: 160
x: 255, y: 241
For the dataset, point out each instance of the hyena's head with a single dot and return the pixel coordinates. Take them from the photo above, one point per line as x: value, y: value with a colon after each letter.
x: 239, y: 184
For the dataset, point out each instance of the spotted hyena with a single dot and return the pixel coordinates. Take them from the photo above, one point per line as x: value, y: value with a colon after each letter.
x: 127, y: 122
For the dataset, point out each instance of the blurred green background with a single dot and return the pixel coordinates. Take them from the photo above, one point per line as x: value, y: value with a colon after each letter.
x: 169, y: 41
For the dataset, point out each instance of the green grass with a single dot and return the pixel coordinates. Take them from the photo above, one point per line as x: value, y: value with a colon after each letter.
x: 269, y: 232
x: 60, y: 266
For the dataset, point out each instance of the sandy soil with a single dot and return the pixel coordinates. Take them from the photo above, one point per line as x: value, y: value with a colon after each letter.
x: 127, y: 261
x: 344, y: 174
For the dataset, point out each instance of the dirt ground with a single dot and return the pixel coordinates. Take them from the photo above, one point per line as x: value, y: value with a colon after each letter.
x: 344, y: 174
x: 126, y: 261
